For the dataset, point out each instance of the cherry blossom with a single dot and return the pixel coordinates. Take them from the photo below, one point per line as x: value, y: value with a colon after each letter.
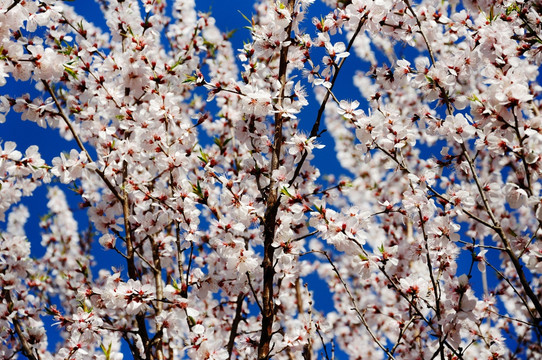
x: 205, y: 220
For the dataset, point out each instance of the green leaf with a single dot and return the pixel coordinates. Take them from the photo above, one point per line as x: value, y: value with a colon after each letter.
x: 85, y: 308
x: 203, y: 156
x: 229, y: 34
x: 285, y: 192
x: 246, y: 18
x: 82, y: 267
x: 474, y: 98
x: 70, y: 72
x: 511, y: 232
x: 197, y: 190
x: 49, y: 312
x: 175, y: 285
x: 189, y: 78
x: 107, y: 352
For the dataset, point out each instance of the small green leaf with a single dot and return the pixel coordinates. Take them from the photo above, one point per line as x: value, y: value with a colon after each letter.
x: 107, y: 352
x: 512, y: 232
x: 203, y: 157
x: 189, y: 78
x: 229, y: 34
x: 285, y: 192
x: 70, y: 72
x: 246, y: 18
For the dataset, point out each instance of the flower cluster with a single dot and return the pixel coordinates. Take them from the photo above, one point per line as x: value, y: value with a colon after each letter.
x: 217, y: 234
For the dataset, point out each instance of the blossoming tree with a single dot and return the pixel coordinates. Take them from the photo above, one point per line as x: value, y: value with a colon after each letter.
x: 201, y: 180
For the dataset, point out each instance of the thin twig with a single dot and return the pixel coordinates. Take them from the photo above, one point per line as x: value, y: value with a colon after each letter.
x: 355, y: 306
x: 25, y: 346
x: 315, y: 128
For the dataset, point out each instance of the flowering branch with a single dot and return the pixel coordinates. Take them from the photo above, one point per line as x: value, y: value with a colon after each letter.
x: 271, y: 209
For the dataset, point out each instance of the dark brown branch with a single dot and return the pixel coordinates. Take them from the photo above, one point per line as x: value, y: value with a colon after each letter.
x: 270, y: 216
x: 25, y: 346
x: 316, y: 127
x: 235, y: 323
